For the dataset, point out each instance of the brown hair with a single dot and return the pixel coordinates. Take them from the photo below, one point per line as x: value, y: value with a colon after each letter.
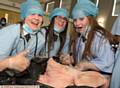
x: 95, y: 27
x: 51, y: 37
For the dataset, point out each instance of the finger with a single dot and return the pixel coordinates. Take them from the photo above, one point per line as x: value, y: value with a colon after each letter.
x: 68, y: 55
x: 24, y: 53
x: 62, y: 56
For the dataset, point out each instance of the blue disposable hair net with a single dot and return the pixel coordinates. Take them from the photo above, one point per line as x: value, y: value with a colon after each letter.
x: 84, y: 8
x: 31, y: 7
x: 116, y: 26
x: 58, y: 12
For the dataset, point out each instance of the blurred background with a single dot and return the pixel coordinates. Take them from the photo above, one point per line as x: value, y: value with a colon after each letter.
x: 109, y: 10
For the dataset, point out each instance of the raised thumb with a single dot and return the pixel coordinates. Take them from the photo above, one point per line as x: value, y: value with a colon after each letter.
x: 24, y: 53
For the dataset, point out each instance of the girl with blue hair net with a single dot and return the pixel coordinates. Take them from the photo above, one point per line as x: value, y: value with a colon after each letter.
x: 91, y: 42
x: 115, y: 79
x: 21, y: 42
x: 56, y: 34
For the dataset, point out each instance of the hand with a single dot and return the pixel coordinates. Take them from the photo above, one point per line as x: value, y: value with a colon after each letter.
x: 19, y: 62
x: 82, y: 65
x: 66, y: 59
x: 3, y: 64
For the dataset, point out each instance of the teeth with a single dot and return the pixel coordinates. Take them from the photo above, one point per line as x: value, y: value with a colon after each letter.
x: 35, y: 22
x: 78, y: 27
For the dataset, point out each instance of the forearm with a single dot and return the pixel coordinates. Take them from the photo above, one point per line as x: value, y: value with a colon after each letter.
x: 86, y: 66
x: 3, y: 64
x: 91, y: 66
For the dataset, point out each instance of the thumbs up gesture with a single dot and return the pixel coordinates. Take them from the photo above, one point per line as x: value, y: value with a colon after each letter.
x: 19, y: 62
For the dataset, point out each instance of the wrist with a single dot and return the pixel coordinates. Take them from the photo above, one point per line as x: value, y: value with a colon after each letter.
x: 3, y: 64
x: 9, y: 63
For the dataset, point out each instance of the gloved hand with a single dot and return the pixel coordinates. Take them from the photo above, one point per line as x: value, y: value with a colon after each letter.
x: 66, y: 59
x: 19, y: 62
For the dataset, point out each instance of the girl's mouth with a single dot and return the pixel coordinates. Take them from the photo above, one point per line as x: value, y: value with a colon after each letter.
x: 35, y: 22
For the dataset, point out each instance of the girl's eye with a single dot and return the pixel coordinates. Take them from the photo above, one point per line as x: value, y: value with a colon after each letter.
x: 81, y: 18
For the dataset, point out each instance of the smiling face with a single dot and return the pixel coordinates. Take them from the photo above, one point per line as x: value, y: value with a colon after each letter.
x: 60, y: 22
x: 34, y: 21
x: 81, y: 24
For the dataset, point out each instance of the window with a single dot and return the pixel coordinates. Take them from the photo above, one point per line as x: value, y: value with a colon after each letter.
x: 49, y: 6
x: 116, y: 8
x: 65, y: 4
x: 96, y: 2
